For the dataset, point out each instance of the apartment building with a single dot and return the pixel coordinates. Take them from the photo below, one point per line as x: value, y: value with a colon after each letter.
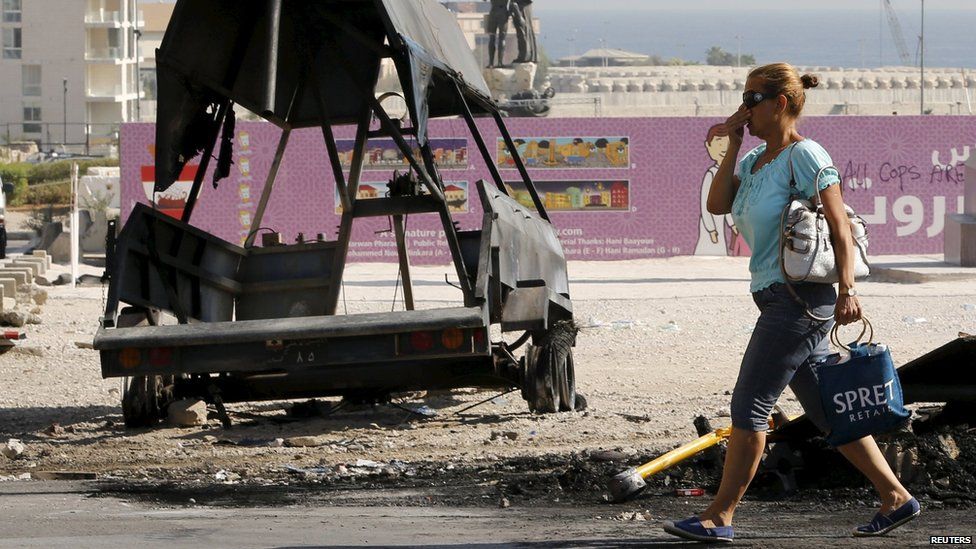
x: 68, y: 71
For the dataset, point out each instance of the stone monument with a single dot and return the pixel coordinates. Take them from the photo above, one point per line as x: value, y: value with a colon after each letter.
x: 960, y: 229
x: 497, y: 27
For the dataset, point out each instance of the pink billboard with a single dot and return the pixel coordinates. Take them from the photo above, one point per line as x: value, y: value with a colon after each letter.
x: 616, y: 188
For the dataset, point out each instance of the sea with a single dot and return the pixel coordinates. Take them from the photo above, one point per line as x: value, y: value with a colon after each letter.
x: 808, y: 37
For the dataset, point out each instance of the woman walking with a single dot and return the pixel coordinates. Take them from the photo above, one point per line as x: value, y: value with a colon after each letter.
x: 786, y: 341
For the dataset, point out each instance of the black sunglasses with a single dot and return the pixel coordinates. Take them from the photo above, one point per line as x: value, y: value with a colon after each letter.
x: 753, y: 98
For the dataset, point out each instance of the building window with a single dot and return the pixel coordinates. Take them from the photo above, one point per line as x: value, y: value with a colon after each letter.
x: 147, y: 78
x: 11, y: 11
x: 31, y: 78
x: 12, y: 44
x: 32, y: 119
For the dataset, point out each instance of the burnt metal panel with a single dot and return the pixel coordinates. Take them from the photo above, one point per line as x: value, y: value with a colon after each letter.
x: 247, y: 331
x: 527, y: 247
x: 286, y: 281
x: 161, y: 259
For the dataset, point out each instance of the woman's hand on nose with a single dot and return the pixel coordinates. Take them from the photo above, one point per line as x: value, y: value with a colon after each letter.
x: 735, y: 124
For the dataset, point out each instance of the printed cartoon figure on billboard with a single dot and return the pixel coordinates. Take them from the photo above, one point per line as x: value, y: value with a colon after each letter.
x: 712, y: 228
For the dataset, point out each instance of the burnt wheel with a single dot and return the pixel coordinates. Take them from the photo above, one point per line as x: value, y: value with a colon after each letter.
x: 145, y: 400
x: 542, y: 378
x: 549, y: 382
x: 567, y: 383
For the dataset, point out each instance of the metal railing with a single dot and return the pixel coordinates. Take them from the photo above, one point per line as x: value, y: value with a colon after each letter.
x: 70, y: 137
x: 103, y: 53
x: 101, y: 16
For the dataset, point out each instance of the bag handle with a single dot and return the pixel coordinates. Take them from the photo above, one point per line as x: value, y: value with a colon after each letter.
x: 865, y: 328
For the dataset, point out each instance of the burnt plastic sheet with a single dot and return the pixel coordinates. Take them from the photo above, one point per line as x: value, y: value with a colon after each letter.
x: 265, y: 54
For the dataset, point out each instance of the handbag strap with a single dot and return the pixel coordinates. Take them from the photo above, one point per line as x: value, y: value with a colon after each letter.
x: 865, y: 328
x: 794, y: 190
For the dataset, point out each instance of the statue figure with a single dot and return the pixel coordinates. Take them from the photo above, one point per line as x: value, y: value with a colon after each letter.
x: 524, y: 31
x: 497, y: 30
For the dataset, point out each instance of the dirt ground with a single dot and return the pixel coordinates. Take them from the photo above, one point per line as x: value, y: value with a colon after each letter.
x: 660, y: 344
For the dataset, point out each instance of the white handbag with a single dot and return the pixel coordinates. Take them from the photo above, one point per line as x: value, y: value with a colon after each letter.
x: 807, y: 253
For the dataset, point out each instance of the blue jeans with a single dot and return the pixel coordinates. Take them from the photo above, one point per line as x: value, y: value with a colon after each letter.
x: 784, y: 346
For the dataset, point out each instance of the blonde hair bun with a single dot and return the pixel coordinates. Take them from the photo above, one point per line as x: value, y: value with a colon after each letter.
x: 809, y: 81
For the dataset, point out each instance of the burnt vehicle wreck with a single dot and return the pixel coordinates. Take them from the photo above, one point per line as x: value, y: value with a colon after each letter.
x: 260, y: 322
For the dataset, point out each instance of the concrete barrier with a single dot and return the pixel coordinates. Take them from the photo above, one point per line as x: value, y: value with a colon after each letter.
x: 39, y: 260
x: 43, y: 253
x: 35, y: 268
x: 31, y: 260
x: 9, y: 286
x: 22, y: 276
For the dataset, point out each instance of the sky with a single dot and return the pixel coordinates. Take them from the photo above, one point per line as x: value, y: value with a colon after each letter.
x: 650, y: 5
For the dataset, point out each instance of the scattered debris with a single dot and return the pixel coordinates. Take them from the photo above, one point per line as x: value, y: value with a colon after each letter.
x: 671, y: 326
x: 226, y: 477
x: 15, y: 319
x: 914, y: 320
x: 504, y: 503
x: 187, y: 413
x: 8, y: 478
x: 425, y: 411
x: 308, y: 470
x: 304, y: 442
x: 13, y: 449
x: 84, y: 345
x: 247, y: 442
x: 510, y: 435
x: 54, y: 430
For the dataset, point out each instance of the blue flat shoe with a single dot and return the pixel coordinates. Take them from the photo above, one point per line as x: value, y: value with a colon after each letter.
x: 882, y: 524
x: 692, y: 529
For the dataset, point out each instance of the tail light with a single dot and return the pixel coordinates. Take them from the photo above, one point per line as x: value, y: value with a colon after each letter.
x: 162, y: 356
x: 452, y: 338
x: 422, y: 341
x: 130, y: 358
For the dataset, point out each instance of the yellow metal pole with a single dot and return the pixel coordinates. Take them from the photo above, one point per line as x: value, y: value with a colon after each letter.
x: 684, y: 452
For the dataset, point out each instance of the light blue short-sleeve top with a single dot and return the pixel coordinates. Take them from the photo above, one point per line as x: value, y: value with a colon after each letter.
x: 759, y: 202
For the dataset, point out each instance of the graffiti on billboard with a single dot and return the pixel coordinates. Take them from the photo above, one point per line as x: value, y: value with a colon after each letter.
x: 383, y: 154
x: 567, y: 152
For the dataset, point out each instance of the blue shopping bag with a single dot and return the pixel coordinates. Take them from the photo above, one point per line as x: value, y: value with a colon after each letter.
x: 860, y: 391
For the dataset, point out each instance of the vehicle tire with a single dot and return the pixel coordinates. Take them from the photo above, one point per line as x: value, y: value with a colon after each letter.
x: 567, y: 383
x: 145, y: 400
x: 546, y: 380
x: 528, y: 362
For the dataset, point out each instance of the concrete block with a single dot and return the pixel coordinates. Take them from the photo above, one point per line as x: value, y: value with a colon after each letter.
x: 35, y: 268
x: 959, y: 240
x: 22, y: 276
x: 9, y: 286
x: 43, y: 253
x: 31, y: 260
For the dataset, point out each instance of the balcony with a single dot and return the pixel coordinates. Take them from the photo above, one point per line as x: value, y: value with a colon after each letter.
x: 111, y: 54
x: 109, y: 94
x: 103, y: 18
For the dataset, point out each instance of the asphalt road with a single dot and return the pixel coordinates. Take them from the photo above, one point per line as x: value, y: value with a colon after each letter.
x: 78, y: 515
